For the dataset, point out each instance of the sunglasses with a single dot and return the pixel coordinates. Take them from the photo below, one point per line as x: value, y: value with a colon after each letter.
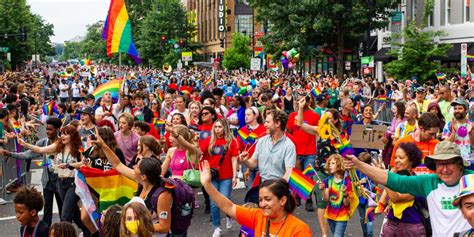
x: 205, y: 113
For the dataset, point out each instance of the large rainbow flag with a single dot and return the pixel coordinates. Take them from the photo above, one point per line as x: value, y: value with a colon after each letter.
x: 112, y: 86
x: 109, y: 187
x: 118, y: 31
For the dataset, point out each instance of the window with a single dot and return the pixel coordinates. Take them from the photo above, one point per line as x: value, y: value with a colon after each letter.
x: 467, y: 9
x: 431, y: 20
x: 243, y: 24
x: 413, y: 10
x: 448, y: 12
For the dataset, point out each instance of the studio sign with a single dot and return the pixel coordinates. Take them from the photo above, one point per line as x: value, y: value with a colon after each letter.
x: 221, y: 16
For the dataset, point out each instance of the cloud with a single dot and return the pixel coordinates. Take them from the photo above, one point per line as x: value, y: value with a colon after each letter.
x: 70, y: 17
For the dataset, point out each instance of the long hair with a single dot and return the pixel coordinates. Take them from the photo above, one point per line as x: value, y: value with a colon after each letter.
x: 63, y: 229
x: 75, y: 142
x: 145, y: 228
x: 151, y: 143
x: 227, y: 134
x: 112, y: 219
x: 107, y: 135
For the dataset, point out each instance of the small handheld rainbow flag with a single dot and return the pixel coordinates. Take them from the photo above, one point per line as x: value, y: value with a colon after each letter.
x: 441, y: 76
x: 369, y: 215
x: 309, y: 171
x: 208, y: 82
x: 50, y: 108
x: 158, y: 122
x: 345, y: 147
x: 316, y: 91
x: 382, y: 98
x: 16, y: 127
x: 42, y: 164
x: 276, y: 84
x: 317, y: 76
x: 470, y: 57
x: 300, y: 184
x: 161, y: 96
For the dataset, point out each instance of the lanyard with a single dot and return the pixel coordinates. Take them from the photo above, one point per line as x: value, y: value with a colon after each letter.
x: 34, y: 231
x: 62, y: 157
x: 267, y: 229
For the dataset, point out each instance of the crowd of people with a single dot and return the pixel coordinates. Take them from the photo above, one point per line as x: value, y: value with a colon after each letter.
x: 200, y: 130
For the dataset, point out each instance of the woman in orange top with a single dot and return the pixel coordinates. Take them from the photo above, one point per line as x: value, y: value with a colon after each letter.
x: 274, y: 215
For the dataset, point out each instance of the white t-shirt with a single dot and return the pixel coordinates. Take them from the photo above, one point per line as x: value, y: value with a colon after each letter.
x: 76, y: 89
x: 115, y: 111
x: 65, y: 93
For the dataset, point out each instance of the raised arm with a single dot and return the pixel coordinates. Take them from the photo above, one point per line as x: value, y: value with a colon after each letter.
x: 224, y: 204
x: 313, y: 130
x: 37, y: 149
x: 377, y: 175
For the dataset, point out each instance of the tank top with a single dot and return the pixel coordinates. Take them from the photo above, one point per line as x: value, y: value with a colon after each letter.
x: 179, y: 163
x: 288, y: 104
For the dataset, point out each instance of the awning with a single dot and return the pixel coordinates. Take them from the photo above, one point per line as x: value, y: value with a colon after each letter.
x: 383, y: 56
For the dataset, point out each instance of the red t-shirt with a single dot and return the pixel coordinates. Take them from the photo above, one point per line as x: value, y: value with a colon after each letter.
x: 249, y: 145
x: 205, y: 132
x: 305, y: 142
x: 427, y: 148
x: 213, y: 155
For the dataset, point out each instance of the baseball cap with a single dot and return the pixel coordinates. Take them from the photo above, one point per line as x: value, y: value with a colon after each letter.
x: 460, y: 101
x: 445, y: 150
x: 466, y: 188
x: 87, y: 110
x: 420, y: 89
x: 90, y: 97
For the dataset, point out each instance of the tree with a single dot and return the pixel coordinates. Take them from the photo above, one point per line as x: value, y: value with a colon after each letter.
x: 72, y: 50
x: 337, y: 25
x: 417, y: 56
x: 93, y: 46
x: 239, y: 54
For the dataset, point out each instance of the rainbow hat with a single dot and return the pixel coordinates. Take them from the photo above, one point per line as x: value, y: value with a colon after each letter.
x: 466, y: 187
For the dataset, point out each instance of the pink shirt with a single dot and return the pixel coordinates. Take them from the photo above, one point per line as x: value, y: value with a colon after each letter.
x: 179, y: 163
x: 128, y: 145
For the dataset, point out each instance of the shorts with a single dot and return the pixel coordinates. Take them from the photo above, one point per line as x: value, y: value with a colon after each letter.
x: 320, y: 202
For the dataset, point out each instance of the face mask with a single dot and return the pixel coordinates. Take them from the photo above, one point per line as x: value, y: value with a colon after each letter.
x: 132, y: 226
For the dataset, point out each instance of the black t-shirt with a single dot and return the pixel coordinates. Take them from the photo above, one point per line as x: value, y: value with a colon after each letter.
x: 103, y: 163
x: 41, y: 231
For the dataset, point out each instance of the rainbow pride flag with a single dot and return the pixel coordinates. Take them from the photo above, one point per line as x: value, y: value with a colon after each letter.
x: 42, y: 164
x: 158, y: 122
x: 300, y: 184
x: 208, y: 82
x: 276, y: 84
x: 50, y: 108
x: 345, y: 147
x: 118, y: 31
x: 110, y: 186
x: 369, y: 215
x: 309, y: 171
x: 112, y: 86
x: 441, y: 76
x: 317, y: 76
x: 470, y: 57
x: 16, y: 127
x: 247, y: 138
x: 381, y: 98
x: 316, y: 91
x: 161, y: 96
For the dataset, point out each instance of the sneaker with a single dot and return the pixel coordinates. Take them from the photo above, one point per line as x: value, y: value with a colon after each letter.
x: 217, y: 232
x: 3, y: 201
x: 229, y: 223
x: 309, y: 207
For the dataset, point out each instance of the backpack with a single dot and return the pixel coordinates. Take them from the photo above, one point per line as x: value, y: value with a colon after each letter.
x: 182, y: 209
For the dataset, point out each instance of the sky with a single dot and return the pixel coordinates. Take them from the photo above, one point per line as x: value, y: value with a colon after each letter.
x: 70, y: 17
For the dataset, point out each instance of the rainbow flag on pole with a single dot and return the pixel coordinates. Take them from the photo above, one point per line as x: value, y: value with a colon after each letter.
x: 158, y: 122
x: 316, y: 91
x: 300, y: 184
x: 309, y: 171
x: 110, y: 186
x: 441, y: 76
x: 112, y: 86
x: 50, y: 108
x: 470, y: 57
x: 345, y: 147
x: 118, y: 31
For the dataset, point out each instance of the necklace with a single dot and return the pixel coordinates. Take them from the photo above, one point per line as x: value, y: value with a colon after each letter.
x: 267, y: 229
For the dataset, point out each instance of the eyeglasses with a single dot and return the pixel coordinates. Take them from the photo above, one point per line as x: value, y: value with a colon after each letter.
x: 446, y: 164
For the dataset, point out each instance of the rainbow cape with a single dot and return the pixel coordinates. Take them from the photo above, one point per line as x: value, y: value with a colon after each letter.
x: 50, y: 108
x: 316, y: 91
x: 112, y: 86
x: 118, y: 31
x: 309, y: 171
x: 440, y: 76
x: 109, y: 187
x: 158, y: 122
x: 300, y: 184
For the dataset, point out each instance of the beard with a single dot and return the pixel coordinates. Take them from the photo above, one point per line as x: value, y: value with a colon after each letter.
x: 459, y: 116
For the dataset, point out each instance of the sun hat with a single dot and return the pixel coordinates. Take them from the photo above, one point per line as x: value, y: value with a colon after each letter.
x: 445, y: 150
x: 466, y: 187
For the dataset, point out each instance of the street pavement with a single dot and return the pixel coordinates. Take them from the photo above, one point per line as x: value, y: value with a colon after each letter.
x: 201, y: 224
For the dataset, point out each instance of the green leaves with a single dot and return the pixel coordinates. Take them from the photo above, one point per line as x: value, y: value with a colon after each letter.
x: 239, y: 54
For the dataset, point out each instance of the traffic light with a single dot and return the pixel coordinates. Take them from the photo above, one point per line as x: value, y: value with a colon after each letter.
x: 222, y: 43
x: 23, y: 34
x: 181, y: 43
x: 163, y: 41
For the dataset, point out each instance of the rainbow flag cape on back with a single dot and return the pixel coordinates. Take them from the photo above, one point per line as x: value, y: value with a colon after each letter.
x: 118, y: 31
x: 300, y: 184
x: 109, y: 187
x: 112, y: 86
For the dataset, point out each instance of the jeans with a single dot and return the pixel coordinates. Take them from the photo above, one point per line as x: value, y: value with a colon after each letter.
x: 306, y: 161
x: 225, y: 188
x: 70, y: 211
x: 49, y: 193
x: 367, y: 228
x: 337, y: 227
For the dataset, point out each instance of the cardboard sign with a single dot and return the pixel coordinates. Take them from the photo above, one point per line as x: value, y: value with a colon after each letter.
x: 368, y: 136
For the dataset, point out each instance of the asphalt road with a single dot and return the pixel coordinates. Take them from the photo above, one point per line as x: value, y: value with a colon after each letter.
x: 201, y: 225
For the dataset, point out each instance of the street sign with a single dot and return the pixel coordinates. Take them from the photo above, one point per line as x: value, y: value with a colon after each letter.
x: 463, y: 60
x: 366, y: 60
x: 187, y: 56
x: 255, y: 64
x: 4, y: 49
